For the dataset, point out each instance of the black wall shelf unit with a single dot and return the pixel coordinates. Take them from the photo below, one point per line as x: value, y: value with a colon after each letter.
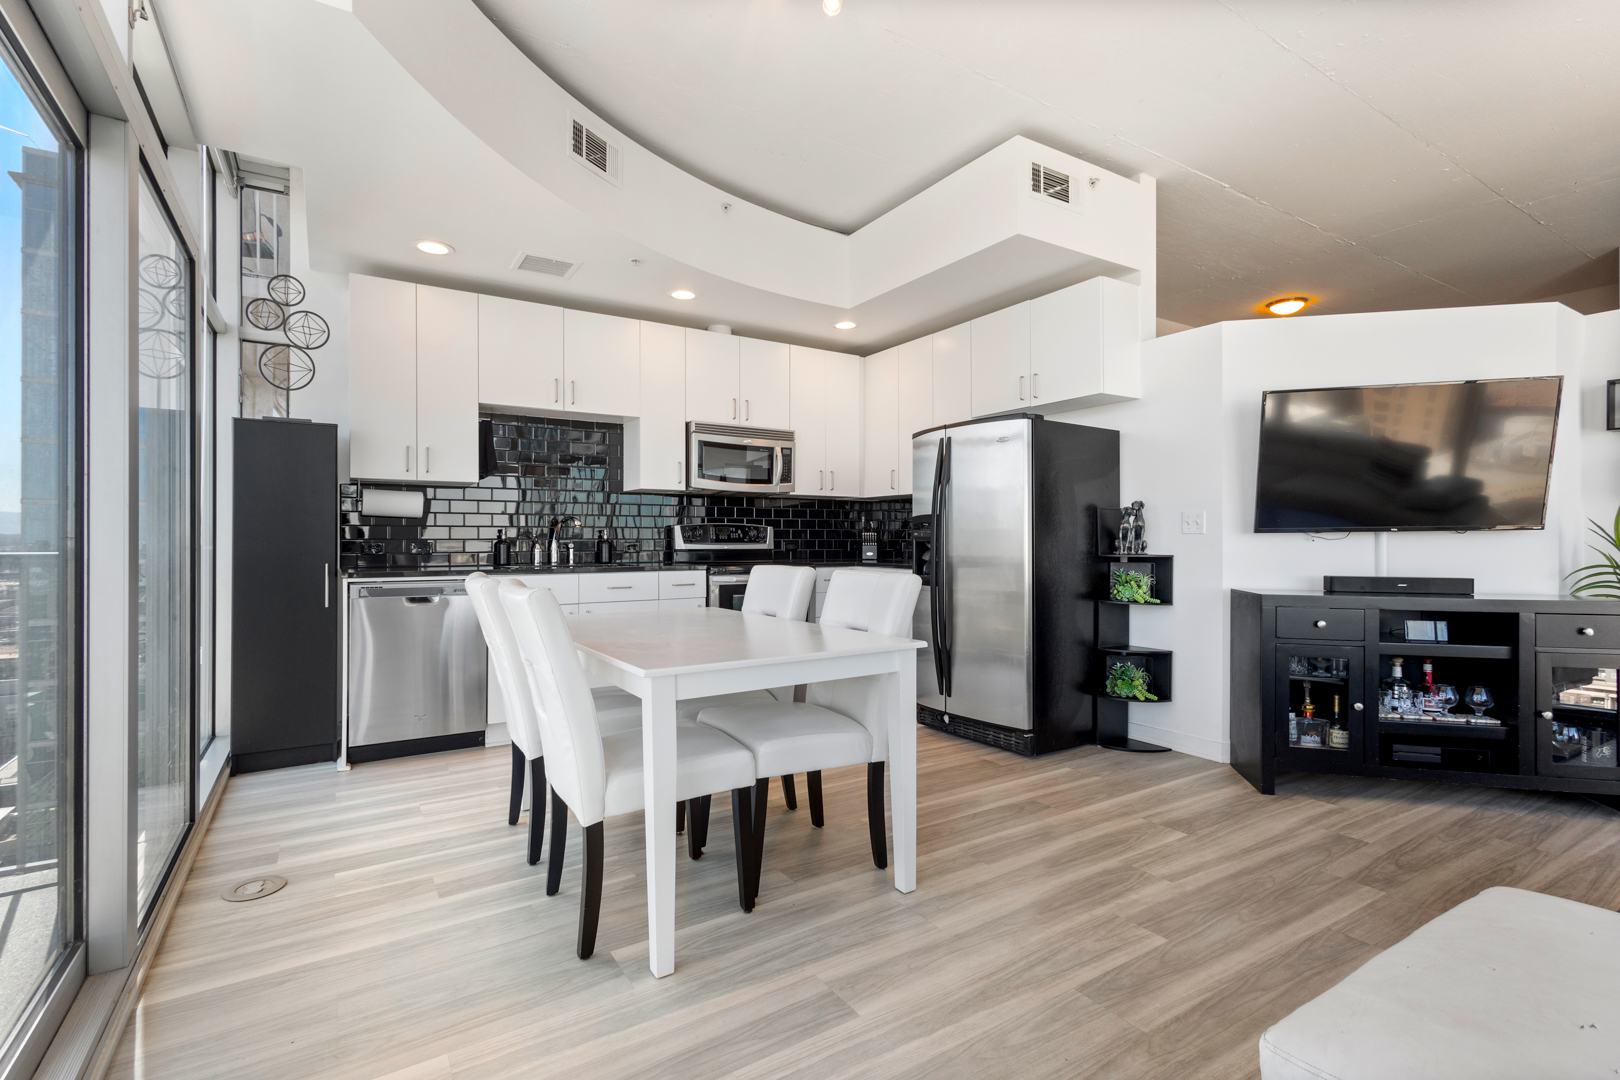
x: 1162, y: 568
x: 1551, y: 664
x: 1114, y: 643
x: 1156, y: 662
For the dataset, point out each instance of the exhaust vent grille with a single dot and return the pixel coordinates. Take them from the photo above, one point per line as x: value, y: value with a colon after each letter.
x: 1048, y: 182
x: 594, y: 152
x: 539, y: 264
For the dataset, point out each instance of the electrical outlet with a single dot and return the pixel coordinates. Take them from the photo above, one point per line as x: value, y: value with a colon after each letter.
x: 1192, y: 521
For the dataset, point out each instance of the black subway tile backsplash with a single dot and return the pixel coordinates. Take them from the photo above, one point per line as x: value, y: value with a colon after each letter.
x: 548, y: 468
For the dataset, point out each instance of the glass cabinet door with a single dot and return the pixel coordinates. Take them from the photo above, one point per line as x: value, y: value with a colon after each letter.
x: 1576, y: 711
x: 1320, y: 702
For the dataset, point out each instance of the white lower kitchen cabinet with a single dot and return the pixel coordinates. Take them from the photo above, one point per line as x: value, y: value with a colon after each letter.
x: 683, y: 585
x: 655, y: 442
x: 808, y: 418
x: 881, y: 412
x: 608, y: 587
x: 842, y: 384
x: 914, y: 377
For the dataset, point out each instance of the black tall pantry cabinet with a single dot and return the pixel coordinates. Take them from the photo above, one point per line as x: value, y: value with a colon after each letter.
x: 284, y: 595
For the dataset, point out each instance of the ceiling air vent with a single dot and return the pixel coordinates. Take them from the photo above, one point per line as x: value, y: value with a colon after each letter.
x: 1048, y: 182
x: 594, y: 152
x: 539, y: 264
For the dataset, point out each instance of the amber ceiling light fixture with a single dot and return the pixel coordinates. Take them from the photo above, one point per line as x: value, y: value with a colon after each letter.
x: 1287, y: 305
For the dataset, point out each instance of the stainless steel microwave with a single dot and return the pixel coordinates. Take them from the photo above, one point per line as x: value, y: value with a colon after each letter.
x: 741, y: 460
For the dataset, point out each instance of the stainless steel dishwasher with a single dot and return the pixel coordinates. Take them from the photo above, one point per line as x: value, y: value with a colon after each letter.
x: 418, y: 670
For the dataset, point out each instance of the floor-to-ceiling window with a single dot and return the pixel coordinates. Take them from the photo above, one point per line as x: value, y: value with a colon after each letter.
x: 39, y: 509
x: 164, y: 544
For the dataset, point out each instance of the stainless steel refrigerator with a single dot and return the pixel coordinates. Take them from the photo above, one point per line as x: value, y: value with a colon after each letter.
x: 1003, y: 538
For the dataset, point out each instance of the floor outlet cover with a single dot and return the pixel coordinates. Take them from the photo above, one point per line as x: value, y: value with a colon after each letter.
x: 254, y: 888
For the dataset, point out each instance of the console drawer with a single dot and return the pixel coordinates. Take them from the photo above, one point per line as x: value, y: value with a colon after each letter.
x: 1578, y: 631
x: 1321, y: 623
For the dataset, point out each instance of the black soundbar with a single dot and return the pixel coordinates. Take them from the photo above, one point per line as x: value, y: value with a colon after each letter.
x: 1394, y: 586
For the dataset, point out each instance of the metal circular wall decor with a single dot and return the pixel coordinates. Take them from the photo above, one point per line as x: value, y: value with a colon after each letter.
x: 152, y: 309
x: 285, y: 290
x: 265, y: 313
x: 254, y: 889
x: 161, y: 272
x: 306, y: 329
x: 286, y: 367
x: 161, y: 354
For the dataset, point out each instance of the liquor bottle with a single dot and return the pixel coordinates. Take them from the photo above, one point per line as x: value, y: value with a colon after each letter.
x: 1307, y: 708
x: 604, y: 547
x: 1428, y: 700
x: 502, y: 554
x: 1395, y: 693
x: 1338, y: 730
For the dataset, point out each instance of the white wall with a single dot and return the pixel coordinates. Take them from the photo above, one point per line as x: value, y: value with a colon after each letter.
x: 326, y: 399
x: 1192, y: 443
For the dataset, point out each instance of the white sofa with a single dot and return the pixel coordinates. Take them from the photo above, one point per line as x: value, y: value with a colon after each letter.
x: 1510, y: 985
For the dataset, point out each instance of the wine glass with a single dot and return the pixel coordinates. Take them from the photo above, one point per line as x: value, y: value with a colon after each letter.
x: 1447, y: 697
x: 1479, y: 699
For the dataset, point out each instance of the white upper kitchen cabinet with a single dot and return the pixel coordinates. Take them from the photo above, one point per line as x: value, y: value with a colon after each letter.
x: 713, y: 377
x: 520, y: 354
x: 765, y: 383
x: 915, y: 383
x: 447, y: 385
x: 655, y: 442
x: 1001, y: 361
x: 1085, y: 346
x: 953, y: 375
x: 807, y: 417
x: 382, y: 379
x: 601, y: 364
x: 842, y: 386
x: 880, y: 464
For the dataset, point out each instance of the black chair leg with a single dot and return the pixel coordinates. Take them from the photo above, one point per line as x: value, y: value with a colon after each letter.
x: 790, y: 792
x: 537, y: 808
x: 762, y: 795
x: 590, y: 895
x: 680, y: 818
x: 518, y: 770
x: 559, y: 843
x: 812, y: 781
x: 742, y: 833
x: 693, y: 849
x: 701, y: 806
x: 874, y: 814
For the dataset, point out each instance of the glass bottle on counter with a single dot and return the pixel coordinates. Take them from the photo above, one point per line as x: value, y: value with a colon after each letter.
x: 501, y: 554
x: 1338, y: 730
x: 604, y: 547
x: 1428, y: 696
x: 1395, y: 693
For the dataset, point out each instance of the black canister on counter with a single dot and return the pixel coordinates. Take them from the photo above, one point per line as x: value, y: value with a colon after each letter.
x: 501, y: 555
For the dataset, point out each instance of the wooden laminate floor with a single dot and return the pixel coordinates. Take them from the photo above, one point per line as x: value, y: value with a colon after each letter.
x: 1086, y: 914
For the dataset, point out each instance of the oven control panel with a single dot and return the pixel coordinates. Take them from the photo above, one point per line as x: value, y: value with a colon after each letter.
x: 715, y: 537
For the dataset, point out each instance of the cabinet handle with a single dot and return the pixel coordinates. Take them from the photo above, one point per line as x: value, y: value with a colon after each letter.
x: 891, y: 479
x: 673, y: 585
x: 619, y: 586
x: 821, y: 480
x: 407, y: 458
x: 680, y: 477
x: 1035, y: 386
x: 573, y: 395
x: 556, y: 390
x: 427, y: 458
x: 1547, y: 715
x: 734, y: 408
x: 1020, y: 388
x: 1356, y: 706
x: 832, y: 480
x: 747, y: 412
x: 1587, y: 631
x: 1321, y: 624
x: 326, y: 585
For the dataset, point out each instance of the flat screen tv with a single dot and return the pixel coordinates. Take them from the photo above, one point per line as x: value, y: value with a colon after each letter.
x: 1436, y: 456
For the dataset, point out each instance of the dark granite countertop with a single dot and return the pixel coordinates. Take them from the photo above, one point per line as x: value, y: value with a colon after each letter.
x: 462, y: 570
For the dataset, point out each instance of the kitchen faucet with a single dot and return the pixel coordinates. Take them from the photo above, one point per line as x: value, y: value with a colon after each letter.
x: 559, y: 523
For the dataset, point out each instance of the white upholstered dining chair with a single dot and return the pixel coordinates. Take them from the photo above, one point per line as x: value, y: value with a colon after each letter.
x: 615, y: 710
x: 598, y: 775
x: 840, y: 723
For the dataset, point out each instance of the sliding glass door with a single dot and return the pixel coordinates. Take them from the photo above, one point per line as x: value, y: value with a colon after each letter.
x: 164, y: 545
x: 39, y: 509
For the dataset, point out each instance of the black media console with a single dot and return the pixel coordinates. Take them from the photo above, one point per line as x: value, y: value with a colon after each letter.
x: 1550, y: 663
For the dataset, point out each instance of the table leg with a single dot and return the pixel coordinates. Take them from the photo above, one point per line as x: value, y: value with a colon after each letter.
x: 658, y: 779
x: 903, y: 769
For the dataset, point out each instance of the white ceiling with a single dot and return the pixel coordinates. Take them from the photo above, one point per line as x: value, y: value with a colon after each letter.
x: 1378, y: 155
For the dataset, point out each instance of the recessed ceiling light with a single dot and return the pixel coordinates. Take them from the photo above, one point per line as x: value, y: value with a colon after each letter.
x: 433, y: 247
x: 845, y: 325
x: 832, y: 7
x: 1286, y: 305
x: 684, y: 294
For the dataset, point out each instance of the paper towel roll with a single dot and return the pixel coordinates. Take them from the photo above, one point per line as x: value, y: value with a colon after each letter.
x: 380, y: 502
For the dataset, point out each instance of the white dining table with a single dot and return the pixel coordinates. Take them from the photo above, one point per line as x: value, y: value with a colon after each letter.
x: 665, y: 656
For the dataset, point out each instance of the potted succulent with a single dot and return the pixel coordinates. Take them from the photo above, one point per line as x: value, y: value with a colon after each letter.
x: 1127, y: 681
x: 1129, y: 585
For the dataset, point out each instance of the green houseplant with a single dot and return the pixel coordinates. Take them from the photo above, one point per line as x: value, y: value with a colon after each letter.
x: 1600, y: 579
x: 1131, y: 586
x: 1127, y: 681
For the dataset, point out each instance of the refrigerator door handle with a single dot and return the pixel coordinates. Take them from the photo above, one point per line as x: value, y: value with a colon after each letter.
x: 936, y: 571
x: 942, y: 567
